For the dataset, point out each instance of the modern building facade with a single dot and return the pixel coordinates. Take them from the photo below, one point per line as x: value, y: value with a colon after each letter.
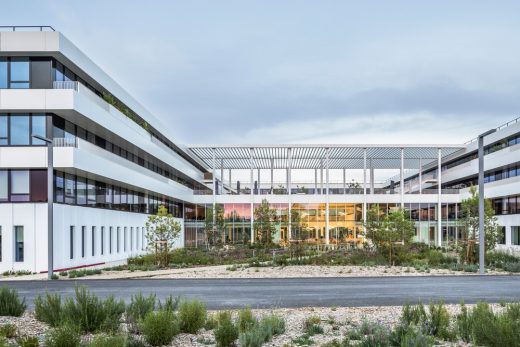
x: 113, y: 166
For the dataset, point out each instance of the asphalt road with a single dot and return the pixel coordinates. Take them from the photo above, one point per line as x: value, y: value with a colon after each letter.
x: 297, y: 292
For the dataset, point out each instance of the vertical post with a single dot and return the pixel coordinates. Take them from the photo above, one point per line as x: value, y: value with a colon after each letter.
x: 344, y: 181
x: 456, y: 223
x: 327, y: 196
x: 315, y: 181
x: 364, y: 187
x: 321, y: 176
x: 401, y: 176
x: 371, y: 177
x: 230, y: 182
x: 214, y: 188
x: 50, y: 212
x: 222, y: 176
x: 251, y: 193
x: 420, y: 175
x: 289, y: 200
x: 439, y: 204
x: 272, y: 175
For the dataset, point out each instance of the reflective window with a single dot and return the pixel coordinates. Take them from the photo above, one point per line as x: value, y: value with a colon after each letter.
x: 81, y: 187
x: 19, y: 73
x: 20, y: 134
x: 20, y: 182
x: 83, y: 240
x: 70, y: 189
x: 3, y: 185
x: 4, y: 133
x: 3, y: 73
x: 38, y: 128
x: 18, y: 243
x: 71, y: 240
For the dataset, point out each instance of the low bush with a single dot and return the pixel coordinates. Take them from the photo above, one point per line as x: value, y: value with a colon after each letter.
x: 192, y: 316
x: 378, y: 336
x: 132, y: 341
x: 274, y: 325
x: 8, y: 330
x: 10, y: 303
x: 226, y: 332
x: 337, y: 343
x: 66, y: 335
x: 303, y: 340
x: 499, y: 259
x: 211, y: 322
x: 511, y: 267
x: 48, y: 309
x: 138, y: 308
x: 171, y: 303
x: 311, y: 326
x: 253, y: 337
x: 92, y: 314
x: 245, y: 320
x: 108, y: 341
x: 159, y: 327
x: 438, y: 321
x: 28, y: 341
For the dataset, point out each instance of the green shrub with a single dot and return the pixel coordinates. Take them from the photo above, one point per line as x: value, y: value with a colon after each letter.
x: 438, y: 322
x: 499, y: 259
x: 8, y: 330
x: 413, y: 314
x: 48, y: 309
x: 511, y: 267
x: 159, y: 328
x: 91, y: 313
x: 415, y: 338
x: 132, y: 341
x: 108, y: 341
x: 274, y: 325
x: 192, y: 315
x: 171, y: 303
x: 226, y: 332
x: 211, y: 322
x: 66, y: 335
x: 379, y: 337
x: 303, y: 340
x: 463, y: 324
x: 28, y: 341
x: 245, y: 320
x: 337, y: 343
x: 252, y: 337
x: 10, y: 304
x: 138, y: 308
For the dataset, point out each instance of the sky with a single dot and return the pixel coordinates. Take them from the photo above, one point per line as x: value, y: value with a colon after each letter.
x: 342, y: 72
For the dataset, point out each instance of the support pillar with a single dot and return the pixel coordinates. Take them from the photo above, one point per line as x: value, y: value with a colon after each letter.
x: 321, y: 176
x: 214, y: 187
x: 420, y: 175
x: 289, y: 205
x: 315, y: 181
x: 221, y: 176
x: 344, y: 181
x: 327, y: 196
x: 252, y: 232
x: 439, y: 191
x: 401, y: 176
x: 272, y: 175
x: 372, y: 185
x: 364, y: 188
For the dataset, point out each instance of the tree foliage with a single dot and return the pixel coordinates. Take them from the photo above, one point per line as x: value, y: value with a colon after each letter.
x: 264, y: 223
x: 385, y: 231
x: 162, y: 231
x: 470, y: 220
x: 214, y: 226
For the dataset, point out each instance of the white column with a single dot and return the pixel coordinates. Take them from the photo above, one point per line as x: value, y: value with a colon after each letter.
x: 222, y: 176
x: 258, y: 181
x: 252, y: 232
x: 344, y: 181
x: 321, y: 176
x: 315, y: 181
x: 214, y: 184
x: 439, y: 191
x: 364, y: 186
x: 272, y: 175
x: 327, y: 196
x: 372, y: 185
x: 456, y: 224
x: 289, y: 204
x: 401, y: 176
x: 230, y: 182
x: 420, y: 175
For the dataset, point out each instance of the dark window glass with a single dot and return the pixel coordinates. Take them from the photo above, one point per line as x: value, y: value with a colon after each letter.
x: 38, y: 185
x: 71, y: 242
x: 93, y: 240
x: 59, y: 188
x: 4, y: 133
x: 81, y: 188
x: 91, y: 192
x: 83, y: 240
x: 38, y: 128
x: 58, y: 72
x: 102, y: 240
x: 20, y: 130
x: 18, y: 243
x: 70, y: 189
x: 110, y: 237
x: 515, y: 235
x: 3, y: 73
x: 118, y: 239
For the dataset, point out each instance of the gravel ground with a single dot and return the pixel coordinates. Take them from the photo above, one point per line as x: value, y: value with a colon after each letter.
x: 336, y: 322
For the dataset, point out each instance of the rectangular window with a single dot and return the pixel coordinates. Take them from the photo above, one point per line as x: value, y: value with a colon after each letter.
x: 110, y: 240
x: 4, y: 184
x: 58, y: 187
x: 102, y: 240
x: 18, y: 243
x: 4, y: 133
x: 38, y: 184
x: 19, y: 77
x: 93, y: 239
x: 20, y: 185
x: 124, y: 240
x: 81, y: 189
x: 83, y: 240
x: 71, y: 242
x: 70, y: 189
x: 38, y: 128
x: 515, y: 235
x: 118, y: 239
x: 501, y: 235
x: 3, y: 73
x: 20, y: 134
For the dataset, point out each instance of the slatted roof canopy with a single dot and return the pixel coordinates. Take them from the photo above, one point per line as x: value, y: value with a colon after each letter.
x: 313, y: 156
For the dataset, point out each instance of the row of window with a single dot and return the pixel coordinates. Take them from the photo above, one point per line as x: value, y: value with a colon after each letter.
x: 507, y: 205
x: 17, y: 129
x: 131, y: 241
x: 77, y: 190
x: 18, y: 243
x: 23, y: 185
x: 490, y: 176
x: 14, y: 73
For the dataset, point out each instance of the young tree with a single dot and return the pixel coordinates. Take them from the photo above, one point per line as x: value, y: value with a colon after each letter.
x: 470, y: 220
x: 162, y: 231
x: 264, y: 223
x: 214, y: 227
x: 384, y: 231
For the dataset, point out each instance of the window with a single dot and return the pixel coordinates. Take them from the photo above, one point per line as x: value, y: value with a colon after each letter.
x: 501, y: 235
x: 3, y: 73
x: 20, y: 134
x: 118, y: 238
x: 4, y: 184
x: 71, y: 242
x: 38, y: 185
x: 19, y: 77
x: 20, y: 185
x: 110, y: 240
x: 38, y: 128
x: 83, y: 239
x: 93, y: 237
x: 515, y: 235
x: 58, y: 187
x: 124, y: 240
x: 102, y: 240
x: 18, y: 243
x: 4, y: 133
x: 81, y: 190
x: 70, y: 189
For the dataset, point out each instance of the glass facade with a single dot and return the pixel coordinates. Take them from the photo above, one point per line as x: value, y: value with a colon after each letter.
x: 23, y: 186
x: 16, y: 129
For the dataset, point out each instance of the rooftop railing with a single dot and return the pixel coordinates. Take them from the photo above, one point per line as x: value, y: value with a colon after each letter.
x: 26, y: 28
x: 503, y: 126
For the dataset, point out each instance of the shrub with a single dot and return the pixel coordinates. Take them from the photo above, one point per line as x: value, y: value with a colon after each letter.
x: 8, y: 330
x: 253, y: 337
x: 92, y: 314
x: 138, y: 308
x: 438, y: 322
x: 10, y: 304
x: 66, y: 335
x: 226, y: 332
x: 311, y: 326
x: 415, y: 338
x: 336, y: 343
x: 159, y: 328
x: 245, y: 320
x: 511, y: 267
x: 28, y: 341
x: 211, y: 322
x: 192, y: 315
x: 413, y: 314
x: 463, y: 324
x: 303, y: 340
x: 273, y: 324
x: 48, y: 309
x: 171, y: 303
x: 132, y: 341
x: 108, y: 341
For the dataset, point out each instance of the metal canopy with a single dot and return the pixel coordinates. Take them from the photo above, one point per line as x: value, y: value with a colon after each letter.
x: 313, y: 156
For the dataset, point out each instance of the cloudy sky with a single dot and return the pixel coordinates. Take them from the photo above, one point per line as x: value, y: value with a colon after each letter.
x: 302, y: 71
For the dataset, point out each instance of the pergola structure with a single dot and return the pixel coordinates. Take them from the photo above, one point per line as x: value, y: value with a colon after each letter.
x: 327, y: 157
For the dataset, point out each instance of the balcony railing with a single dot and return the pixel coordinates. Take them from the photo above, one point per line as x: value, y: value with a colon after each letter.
x: 65, y: 85
x: 26, y: 28
x: 65, y: 142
